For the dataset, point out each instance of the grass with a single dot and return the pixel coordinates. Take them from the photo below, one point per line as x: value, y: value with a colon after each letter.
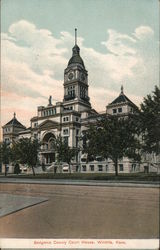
x: 93, y: 176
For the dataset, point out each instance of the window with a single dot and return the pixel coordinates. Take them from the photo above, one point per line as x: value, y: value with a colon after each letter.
x: 100, y: 168
x: 77, y: 141
x: 92, y: 167
x: 133, y: 167
x: 119, y: 110
x: 65, y: 131
x: 66, y: 119
x: 65, y: 139
x: 71, y: 90
x: 84, y: 167
x: 120, y: 167
x: 114, y: 111
x: 35, y: 124
x: 77, y: 119
x: 106, y: 168
x: 7, y: 141
x: 82, y: 92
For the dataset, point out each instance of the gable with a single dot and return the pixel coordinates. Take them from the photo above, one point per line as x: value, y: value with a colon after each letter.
x: 48, y: 124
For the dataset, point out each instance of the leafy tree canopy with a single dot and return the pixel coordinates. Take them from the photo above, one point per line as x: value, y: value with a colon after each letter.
x: 25, y: 151
x: 113, y: 137
x: 150, y: 122
x: 64, y: 152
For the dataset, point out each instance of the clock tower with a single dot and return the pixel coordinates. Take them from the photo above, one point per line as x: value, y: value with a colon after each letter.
x: 76, y: 80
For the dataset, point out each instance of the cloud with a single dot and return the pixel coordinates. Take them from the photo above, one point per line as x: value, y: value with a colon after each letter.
x: 118, y: 44
x: 143, y: 32
x: 34, y: 60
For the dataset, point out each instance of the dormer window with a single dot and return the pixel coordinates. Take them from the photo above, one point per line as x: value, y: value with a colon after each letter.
x: 114, y: 111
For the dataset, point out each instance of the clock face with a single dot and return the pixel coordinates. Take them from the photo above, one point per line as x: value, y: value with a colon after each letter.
x: 70, y: 76
x: 82, y: 77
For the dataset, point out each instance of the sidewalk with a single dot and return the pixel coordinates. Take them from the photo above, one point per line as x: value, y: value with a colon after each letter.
x: 109, y: 183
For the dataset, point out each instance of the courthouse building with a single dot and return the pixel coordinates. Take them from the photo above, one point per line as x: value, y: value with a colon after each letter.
x: 70, y: 118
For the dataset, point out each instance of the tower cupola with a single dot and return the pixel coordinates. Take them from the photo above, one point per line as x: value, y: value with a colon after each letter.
x: 76, y: 59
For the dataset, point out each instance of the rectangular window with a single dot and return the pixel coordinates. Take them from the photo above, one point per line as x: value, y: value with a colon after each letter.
x: 66, y: 119
x: 120, y: 167
x: 84, y: 167
x: 92, y: 167
x: 119, y: 110
x: 7, y: 141
x: 133, y: 167
x: 65, y: 131
x: 106, y: 168
x: 77, y: 119
x: 65, y: 139
x: 100, y: 168
x: 114, y: 111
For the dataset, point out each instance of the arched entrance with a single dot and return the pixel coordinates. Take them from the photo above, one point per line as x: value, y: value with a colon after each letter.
x: 47, y: 148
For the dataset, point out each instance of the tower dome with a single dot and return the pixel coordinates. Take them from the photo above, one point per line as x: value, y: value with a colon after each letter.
x: 76, y: 59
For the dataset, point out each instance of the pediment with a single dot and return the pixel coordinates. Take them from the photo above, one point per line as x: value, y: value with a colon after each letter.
x: 48, y: 124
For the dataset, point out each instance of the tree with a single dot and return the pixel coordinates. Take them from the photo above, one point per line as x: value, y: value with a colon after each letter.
x: 64, y: 152
x: 150, y: 127
x: 25, y: 151
x: 5, y: 155
x: 150, y: 122
x: 17, y: 169
x: 113, y: 137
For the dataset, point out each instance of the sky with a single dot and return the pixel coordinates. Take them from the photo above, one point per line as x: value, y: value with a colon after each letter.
x: 118, y: 40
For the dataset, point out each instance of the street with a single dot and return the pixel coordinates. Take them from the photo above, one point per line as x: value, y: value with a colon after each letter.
x: 73, y: 211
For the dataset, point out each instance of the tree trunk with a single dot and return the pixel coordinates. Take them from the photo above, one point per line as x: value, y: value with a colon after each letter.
x: 116, y: 167
x: 69, y: 168
x: 33, y: 171
x: 5, y: 170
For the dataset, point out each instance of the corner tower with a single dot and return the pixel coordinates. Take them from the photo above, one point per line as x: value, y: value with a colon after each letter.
x: 76, y: 81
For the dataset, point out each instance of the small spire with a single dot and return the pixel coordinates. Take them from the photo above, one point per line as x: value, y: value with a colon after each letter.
x: 14, y: 115
x: 121, y: 89
x: 75, y: 36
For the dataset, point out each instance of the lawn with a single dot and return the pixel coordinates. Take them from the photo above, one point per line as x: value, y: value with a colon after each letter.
x: 92, y: 176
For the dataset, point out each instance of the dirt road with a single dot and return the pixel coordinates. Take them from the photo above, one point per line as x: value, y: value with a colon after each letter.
x: 83, y: 212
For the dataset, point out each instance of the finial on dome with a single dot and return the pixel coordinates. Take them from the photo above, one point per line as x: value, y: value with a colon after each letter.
x: 14, y: 115
x: 75, y: 36
x: 122, y: 89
